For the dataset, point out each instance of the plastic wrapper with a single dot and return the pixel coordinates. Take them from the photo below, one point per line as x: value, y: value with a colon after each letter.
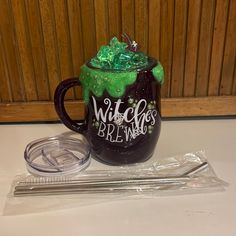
x: 183, y: 174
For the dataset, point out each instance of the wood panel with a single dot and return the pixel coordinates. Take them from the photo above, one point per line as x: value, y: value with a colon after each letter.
x: 38, y: 53
x: 88, y: 28
x: 179, y: 47
x: 166, y: 47
x: 21, y: 27
x: 101, y: 22
x: 5, y: 90
x: 218, y: 46
x: 141, y: 22
x: 204, y: 47
x: 40, y: 111
x: 229, y: 52
x: 128, y: 17
x: 154, y: 30
x: 50, y: 46
x: 192, y: 39
x: 171, y: 107
x: 43, y: 42
x: 234, y: 82
x: 114, y: 18
x: 76, y: 39
x: 197, y: 107
x: 63, y: 41
x: 11, y: 55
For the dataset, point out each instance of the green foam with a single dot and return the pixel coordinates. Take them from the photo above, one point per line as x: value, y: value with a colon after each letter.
x: 158, y: 73
x: 97, y: 81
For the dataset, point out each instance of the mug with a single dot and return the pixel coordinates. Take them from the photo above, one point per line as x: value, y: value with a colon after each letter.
x: 123, y: 118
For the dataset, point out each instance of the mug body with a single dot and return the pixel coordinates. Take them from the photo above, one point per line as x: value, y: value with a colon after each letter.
x: 125, y: 129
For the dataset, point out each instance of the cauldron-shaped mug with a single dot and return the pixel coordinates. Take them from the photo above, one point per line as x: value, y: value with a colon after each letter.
x: 123, y: 117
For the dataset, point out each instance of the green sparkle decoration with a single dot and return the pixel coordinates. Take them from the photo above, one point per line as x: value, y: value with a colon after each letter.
x: 131, y: 100
x: 149, y: 106
x: 114, y: 68
x: 150, y: 129
x: 97, y: 81
x: 158, y: 73
x: 96, y: 124
x: 116, y: 56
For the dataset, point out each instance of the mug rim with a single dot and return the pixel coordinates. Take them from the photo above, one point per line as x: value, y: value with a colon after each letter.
x: 152, y: 62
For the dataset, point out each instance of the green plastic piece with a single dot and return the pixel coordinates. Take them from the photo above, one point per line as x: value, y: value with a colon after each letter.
x: 117, y: 57
x: 96, y: 81
x: 115, y: 67
x: 158, y: 73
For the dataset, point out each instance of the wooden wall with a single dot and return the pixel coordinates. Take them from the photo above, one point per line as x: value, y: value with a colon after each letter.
x: 45, y: 41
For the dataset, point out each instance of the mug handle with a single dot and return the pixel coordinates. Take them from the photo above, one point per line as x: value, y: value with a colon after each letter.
x: 59, y: 97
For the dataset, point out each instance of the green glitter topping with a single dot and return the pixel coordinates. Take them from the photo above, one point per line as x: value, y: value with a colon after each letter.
x: 158, y: 73
x: 97, y: 81
x: 115, y: 67
x: 116, y: 56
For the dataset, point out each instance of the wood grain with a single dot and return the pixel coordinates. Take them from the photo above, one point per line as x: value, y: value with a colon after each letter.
x: 204, y: 47
x: 234, y: 81
x: 141, y: 22
x: 179, y: 43
x: 11, y: 52
x: 218, y: 46
x: 229, y: 52
x: 154, y: 30
x: 88, y: 28
x: 5, y: 90
x: 63, y: 42
x: 101, y: 22
x: 128, y: 16
x: 114, y: 18
x: 25, y: 49
x: 76, y: 39
x: 38, y: 111
x: 197, y: 107
x: 166, y: 51
x: 171, y: 107
x: 46, y: 41
x: 38, y: 53
x: 50, y: 46
x: 192, y: 40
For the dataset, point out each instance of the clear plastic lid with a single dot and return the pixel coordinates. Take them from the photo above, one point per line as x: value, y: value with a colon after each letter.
x: 59, y: 155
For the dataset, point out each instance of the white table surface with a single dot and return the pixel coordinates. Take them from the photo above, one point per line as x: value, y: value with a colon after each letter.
x: 197, y: 214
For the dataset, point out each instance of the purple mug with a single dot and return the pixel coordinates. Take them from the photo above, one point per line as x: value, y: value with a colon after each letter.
x: 122, y: 125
